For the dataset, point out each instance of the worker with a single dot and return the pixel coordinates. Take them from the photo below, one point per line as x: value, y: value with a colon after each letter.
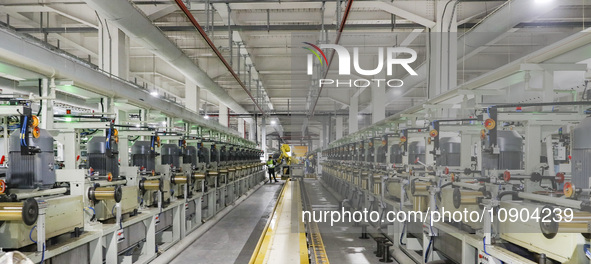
x: 271, y: 166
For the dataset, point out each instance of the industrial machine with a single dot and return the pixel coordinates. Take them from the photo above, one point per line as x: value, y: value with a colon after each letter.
x: 31, y: 198
x: 151, y: 184
x: 493, y: 161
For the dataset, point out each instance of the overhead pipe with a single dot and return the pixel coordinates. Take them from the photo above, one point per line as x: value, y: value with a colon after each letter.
x: 215, y: 49
x: 135, y: 24
x: 34, y: 55
x: 337, y: 40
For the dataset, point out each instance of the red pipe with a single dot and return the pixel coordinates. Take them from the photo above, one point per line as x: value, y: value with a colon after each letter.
x: 341, y: 28
x: 217, y: 52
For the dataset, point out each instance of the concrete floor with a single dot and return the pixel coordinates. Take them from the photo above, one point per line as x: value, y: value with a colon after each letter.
x: 234, y: 237
x: 341, y: 241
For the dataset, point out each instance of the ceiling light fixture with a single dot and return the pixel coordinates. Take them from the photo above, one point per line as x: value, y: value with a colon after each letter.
x: 154, y: 93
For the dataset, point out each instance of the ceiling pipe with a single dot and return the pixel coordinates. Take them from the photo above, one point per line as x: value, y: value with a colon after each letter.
x: 136, y: 25
x: 215, y: 49
x: 340, y: 31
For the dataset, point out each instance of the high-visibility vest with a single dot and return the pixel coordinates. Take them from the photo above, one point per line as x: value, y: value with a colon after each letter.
x: 270, y: 164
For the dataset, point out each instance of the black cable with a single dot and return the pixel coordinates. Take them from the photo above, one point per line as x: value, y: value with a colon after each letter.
x: 102, y: 108
x: 40, y: 102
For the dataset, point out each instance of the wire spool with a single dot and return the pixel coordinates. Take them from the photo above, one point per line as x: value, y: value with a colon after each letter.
x: 403, y: 139
x: 223, y: 171
x: 482, y: 134
x: 151, y: 185
x: 105, y: 193
x: 198, y: 176
x: 579, y: 223
x: 419, y: 203
x: 2, y: 186
x: 417, y: 186
x: 179, y: 179
x: 465, y: 197
x: 213, y: 173
x: 26, y: 211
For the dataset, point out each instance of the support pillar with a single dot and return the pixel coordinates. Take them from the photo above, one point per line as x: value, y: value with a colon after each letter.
x: 264, y: 136
x: 324, y: 136
x: 378, y: 103
x: 241, y: 127
x: 353, y: 111
x: 444, y: 57
x: 192, y: 93
x: 251, y: 131
x: 113, y: 50
x: 47, y: 90
x: 223, y: 116
x: 339, y: 127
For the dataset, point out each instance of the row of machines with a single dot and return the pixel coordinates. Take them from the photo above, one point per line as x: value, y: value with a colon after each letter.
x: 525, y: 171
x: 45, y: 203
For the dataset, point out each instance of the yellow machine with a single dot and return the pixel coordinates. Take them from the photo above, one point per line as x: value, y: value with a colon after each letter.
x: 285, y: 149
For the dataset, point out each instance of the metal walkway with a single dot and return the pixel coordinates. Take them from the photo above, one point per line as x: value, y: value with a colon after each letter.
x: 234, y: 237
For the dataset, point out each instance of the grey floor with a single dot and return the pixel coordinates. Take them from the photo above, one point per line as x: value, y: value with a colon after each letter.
x: 234, y: 237
x: 341, y: 241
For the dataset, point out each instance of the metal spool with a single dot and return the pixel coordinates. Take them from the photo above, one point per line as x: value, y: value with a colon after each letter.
x: 26, y: 211
x: 465, y: 197
x: 417, y: 186
x: 198, y: 176
x: 105, y: 193
x: 179, y: 179
x: 152, y: 185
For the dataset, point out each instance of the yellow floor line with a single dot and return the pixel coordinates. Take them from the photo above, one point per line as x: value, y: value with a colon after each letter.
x: 262, y: 247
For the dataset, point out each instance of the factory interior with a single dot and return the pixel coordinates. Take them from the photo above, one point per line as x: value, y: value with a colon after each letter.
x: 295, y: 131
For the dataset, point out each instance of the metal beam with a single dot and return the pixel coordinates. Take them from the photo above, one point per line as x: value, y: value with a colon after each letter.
x: 314, y: 27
